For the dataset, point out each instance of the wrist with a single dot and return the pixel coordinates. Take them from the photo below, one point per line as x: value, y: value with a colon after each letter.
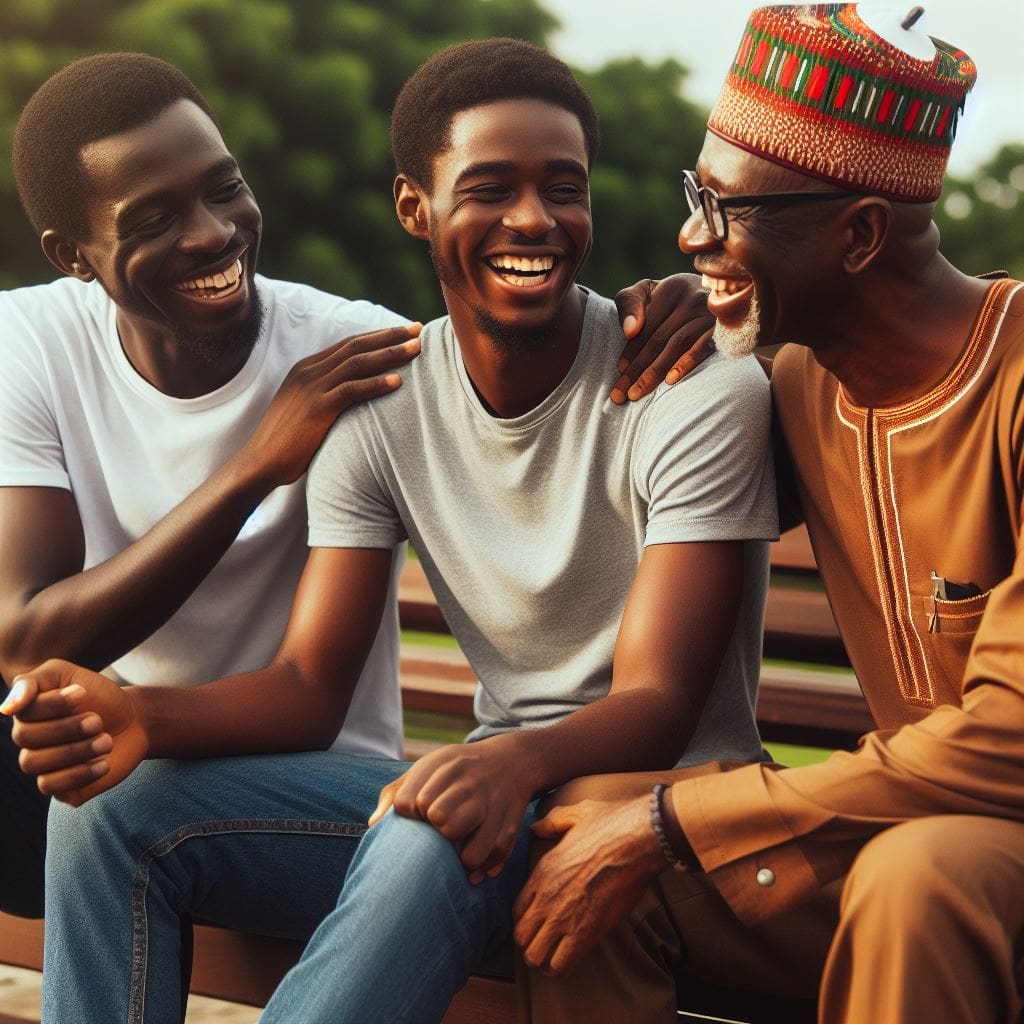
x: 669, y: 832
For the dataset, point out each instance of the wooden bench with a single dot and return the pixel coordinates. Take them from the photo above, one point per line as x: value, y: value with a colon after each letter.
x: 798, y: 703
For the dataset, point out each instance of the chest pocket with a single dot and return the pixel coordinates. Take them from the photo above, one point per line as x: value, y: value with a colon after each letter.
x: 947, y: 630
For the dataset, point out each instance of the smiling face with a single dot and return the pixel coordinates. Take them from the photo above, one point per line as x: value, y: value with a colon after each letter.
x: 173, y: 234
x: 768, y: 280
x: 508, y: 218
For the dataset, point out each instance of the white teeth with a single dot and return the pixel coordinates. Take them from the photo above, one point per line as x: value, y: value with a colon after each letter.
x: 727, y: 286
x: 537, y: 264
x: 217, y: 282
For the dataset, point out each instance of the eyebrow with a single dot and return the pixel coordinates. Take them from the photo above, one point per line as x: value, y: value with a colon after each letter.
x: 485, y: 167
x: 226, y: 165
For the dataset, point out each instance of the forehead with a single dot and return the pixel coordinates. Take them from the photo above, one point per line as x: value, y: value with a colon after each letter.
x: 178, y: 146
x: 522, y: 132
x: 733, y: 171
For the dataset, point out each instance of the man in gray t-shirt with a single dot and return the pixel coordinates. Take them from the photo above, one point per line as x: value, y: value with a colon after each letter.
x: 603, y: 568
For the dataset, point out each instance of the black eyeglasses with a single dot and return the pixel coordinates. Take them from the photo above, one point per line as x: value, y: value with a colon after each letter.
x: 713, y: 206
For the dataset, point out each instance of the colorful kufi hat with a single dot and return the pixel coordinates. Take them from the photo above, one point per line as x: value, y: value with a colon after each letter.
x: 814, y: 88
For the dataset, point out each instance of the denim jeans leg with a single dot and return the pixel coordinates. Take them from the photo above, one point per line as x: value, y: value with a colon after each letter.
x: 260, y: 843
x: 408, y: 931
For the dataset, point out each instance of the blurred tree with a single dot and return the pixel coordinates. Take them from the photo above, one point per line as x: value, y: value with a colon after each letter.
x: 303, y: 89
x: 982, y: 219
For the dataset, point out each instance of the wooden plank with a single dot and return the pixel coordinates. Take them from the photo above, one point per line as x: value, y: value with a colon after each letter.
x: 21, y: 942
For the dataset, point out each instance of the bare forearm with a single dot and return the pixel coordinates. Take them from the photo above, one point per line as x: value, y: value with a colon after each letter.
x: 272, y: 710
x: 631, y: 730
x: 95, y: 616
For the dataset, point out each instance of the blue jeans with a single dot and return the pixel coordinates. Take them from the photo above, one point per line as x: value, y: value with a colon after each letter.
x: 263, y: 844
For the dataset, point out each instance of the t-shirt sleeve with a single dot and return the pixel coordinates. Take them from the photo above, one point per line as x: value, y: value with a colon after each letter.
x: 704, y: 460
x: 30, y: 448
x: 347, y: 493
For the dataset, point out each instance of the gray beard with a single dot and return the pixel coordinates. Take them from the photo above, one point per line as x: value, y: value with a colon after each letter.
x: 737, y: 342
x: 220, y: 347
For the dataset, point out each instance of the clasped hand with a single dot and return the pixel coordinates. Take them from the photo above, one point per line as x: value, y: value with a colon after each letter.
x: 474, y: 794
x: 78, y: 730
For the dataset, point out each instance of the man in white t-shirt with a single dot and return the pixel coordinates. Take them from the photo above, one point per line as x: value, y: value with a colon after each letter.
x: 603, y: 569
x: 153, y: 431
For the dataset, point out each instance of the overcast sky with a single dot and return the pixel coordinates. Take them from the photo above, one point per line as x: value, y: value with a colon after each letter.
x: 704, y: 36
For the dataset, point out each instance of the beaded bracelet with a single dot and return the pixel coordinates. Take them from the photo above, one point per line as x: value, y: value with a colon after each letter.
x: 658, y: 825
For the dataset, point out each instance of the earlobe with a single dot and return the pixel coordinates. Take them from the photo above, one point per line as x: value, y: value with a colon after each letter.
x: 65, y: 256
x: 868, y: 222
x: 411, y: 207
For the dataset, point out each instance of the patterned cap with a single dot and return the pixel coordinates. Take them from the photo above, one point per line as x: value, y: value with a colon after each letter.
x: 814, y: 88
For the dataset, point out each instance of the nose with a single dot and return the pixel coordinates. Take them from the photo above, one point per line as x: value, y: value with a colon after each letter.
x: 206, y: 230
x: 528, y: 215
x: 694, y: 235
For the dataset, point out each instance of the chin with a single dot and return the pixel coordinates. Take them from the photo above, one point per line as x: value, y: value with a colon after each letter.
x: 737, y: 342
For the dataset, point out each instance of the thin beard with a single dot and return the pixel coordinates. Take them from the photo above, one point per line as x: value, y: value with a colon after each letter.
x: 219, y: 347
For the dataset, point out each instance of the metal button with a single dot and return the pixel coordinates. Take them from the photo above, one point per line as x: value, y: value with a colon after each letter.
x: 765, y: 877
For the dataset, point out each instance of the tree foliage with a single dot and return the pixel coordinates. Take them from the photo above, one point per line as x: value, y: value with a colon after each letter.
x: 303, y: 91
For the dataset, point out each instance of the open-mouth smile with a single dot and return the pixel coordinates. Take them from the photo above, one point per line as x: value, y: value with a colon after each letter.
x: 522, y: 271
x: 214, y: 286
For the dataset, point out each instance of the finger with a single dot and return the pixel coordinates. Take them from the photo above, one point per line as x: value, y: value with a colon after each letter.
x: 52, y: 704
x: 21, y: 694
x: 556, y: 822
x: 47, y: 760
x: 67, y: 782
x: 384, y: 801
x: 490, y: 846
x: 701, y: 349
x: 363, y: 364
x: 370, y: 341
x: 630, y: 303
x: 656, y: 353
x: 34, y: 735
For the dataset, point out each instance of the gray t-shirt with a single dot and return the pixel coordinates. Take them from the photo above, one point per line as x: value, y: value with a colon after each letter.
x: 531, y: 529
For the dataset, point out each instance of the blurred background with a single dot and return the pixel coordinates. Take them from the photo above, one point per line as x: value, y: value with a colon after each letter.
x: 304, y: 88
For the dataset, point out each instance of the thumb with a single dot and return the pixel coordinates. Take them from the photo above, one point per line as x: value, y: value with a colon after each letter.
x: 23, y: 692
x: 631, y: 303
x: 554, y: 823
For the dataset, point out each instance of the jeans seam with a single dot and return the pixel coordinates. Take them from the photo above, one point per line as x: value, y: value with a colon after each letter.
x: 202, y: 830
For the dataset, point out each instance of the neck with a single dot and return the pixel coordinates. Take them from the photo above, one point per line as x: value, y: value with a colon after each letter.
x: 896, y: 339
x: 512, y: 380
x: 161, y: 360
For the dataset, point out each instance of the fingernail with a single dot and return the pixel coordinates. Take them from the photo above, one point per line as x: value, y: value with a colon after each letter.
x: 99, y: 768
x: 91, y: 724
x: 102, y: 744
x: 392, y: 380
x: 672, y: 376
x: 635, y: 392
x: 629, y: 324
x: 73, y: 692
x: 618, y: 396
x: 17, y: 692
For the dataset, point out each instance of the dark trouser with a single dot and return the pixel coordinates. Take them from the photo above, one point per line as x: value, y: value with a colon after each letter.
x: 22, y: 833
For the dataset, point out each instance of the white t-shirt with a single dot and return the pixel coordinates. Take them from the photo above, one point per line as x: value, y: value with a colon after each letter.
x: 531, y: 529
x: 75, y: 414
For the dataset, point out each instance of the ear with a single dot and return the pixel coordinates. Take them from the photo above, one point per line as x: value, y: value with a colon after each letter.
x: 412, y: 206
x: 65, y: 255
x: 867, y: 224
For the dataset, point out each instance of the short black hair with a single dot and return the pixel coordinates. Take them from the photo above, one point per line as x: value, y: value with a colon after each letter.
x: 468, y: 74
x: 87, y: 100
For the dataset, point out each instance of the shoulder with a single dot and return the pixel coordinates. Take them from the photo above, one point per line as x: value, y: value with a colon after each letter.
x: 51, y: 317
x: 293, y: 308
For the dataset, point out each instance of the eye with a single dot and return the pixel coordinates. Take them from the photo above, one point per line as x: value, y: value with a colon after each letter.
x: 152, y: 225
x: 566, y: 192
x: 492, y: 192
x: 227, y: 191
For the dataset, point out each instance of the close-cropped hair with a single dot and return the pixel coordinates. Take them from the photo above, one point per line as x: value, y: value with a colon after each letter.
x: 467, y: 75
x: 87, y: 100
